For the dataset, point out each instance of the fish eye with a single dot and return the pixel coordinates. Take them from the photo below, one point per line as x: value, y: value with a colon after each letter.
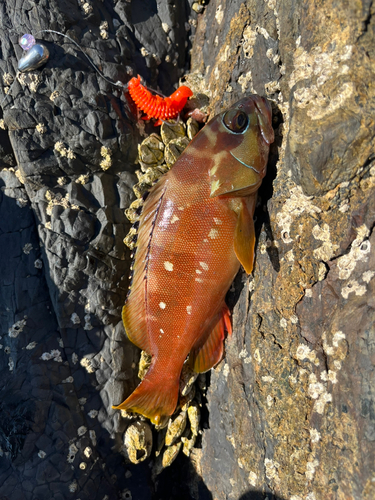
x: 235, y: 120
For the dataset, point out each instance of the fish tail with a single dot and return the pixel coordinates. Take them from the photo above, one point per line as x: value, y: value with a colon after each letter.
x: 154, y: 398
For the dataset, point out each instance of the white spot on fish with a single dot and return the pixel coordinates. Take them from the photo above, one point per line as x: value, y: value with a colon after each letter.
x: 199, y: 280
x: 214, y: 233
x: 168, y: 266
x: 188, y: 309
x: 174, y: 219
x: 198, y: 271
x: 161, y: 330
x: 162, y: 305
x: 166, y: 215
x: 217, y: 221
x: 204, y: 265
x: 205, y: 240
x: 213, y: 169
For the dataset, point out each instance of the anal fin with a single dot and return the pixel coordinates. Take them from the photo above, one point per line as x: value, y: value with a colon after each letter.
x: 244, y: 236
x: 203, y: 358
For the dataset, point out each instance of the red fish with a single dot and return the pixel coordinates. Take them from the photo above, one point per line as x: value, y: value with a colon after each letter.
x: 195, y: 231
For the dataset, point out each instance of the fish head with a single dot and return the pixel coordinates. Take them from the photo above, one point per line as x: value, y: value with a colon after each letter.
x: 243, y: 136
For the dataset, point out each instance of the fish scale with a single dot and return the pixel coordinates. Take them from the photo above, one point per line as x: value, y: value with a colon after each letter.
x: 195, y: 230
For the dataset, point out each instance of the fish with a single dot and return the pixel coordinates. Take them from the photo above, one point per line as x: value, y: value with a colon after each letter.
x: 195, y: 231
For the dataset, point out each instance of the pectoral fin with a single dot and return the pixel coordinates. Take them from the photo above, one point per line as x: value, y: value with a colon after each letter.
x: 244, y: 238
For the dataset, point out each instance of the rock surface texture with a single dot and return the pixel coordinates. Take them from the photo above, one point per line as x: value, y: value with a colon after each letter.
x: 291, y: 407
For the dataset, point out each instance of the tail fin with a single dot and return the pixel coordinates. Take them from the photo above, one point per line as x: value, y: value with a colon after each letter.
x: 155, y: 397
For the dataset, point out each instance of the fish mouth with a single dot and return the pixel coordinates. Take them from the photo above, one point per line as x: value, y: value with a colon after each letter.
x: 254, y: 100
x: 261, y: 102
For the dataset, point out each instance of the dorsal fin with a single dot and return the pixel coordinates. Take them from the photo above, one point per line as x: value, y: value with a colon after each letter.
x: 134, y: 312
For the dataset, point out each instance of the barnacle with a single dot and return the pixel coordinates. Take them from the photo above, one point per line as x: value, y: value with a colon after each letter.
x: 186, y: 400
x: 131, y: 238
x: 188, y: 444
x: 166, y: 458
x: 194, y: 418
x: 151, y: 151
x: 138, y: 442
x: 172, y: 130
x: 174, y: 148
x: 133, y: 212
x: 144, y: 364
x: 187, y: 379
x: 176, y: 427
x: 170, y: 454
x: 192, y: 128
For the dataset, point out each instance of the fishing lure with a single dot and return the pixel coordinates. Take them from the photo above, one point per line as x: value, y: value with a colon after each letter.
x: 196, y: 229
x: 155, y: 106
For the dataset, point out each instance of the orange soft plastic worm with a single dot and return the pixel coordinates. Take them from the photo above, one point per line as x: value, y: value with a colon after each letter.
x: 154, y: 106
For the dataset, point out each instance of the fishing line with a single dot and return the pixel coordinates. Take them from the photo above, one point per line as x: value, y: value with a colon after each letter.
x: 117, y: 84
x: 28, y: 43
x: 36, y: 55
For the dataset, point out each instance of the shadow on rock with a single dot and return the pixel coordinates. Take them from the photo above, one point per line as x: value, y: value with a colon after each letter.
x: 45, y: 394
x: 265, y: 194
x: 258, y: 495
x: 181, y: 481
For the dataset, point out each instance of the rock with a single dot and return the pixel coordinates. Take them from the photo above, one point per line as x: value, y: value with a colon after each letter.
x: 284, y: 415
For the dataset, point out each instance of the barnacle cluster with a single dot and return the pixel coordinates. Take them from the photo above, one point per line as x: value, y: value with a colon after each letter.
x: 32, y: 80
x: 179, y: 433
x: 63, y: 151
x: 57, y: 199
x: 105, y: 153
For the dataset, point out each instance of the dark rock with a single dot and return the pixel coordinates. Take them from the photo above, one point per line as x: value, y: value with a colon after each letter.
x: 79, y: 195
x: 78, y: 225
x: 46, y: 473
x: 19, y: 119
x: 103, y: 189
